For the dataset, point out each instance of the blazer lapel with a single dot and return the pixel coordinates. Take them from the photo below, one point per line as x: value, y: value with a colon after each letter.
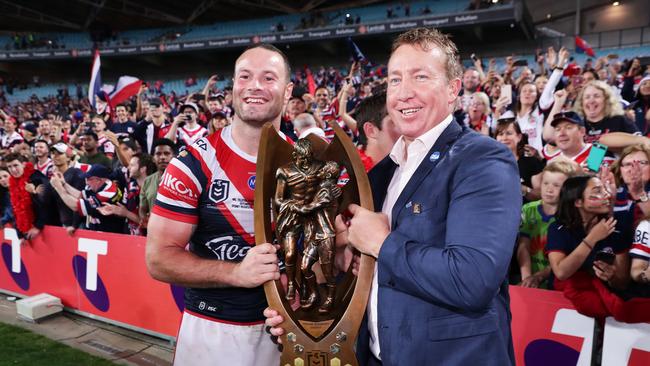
x: 380, y: 176
x: 439, y: 149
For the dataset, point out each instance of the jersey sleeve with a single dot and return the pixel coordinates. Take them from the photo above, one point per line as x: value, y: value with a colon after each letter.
x: 641, y: 245
x: 85, y: 204
x: 559, y: 240
x: 180, y: 189
x: 525, y: 225
x: 630, y: 127
x: 89, y: 201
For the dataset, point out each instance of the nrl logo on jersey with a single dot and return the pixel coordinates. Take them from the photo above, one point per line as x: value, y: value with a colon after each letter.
x: 218, y: 191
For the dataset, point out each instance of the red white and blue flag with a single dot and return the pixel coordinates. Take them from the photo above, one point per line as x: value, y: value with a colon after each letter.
x: 127, y: 86
x: 95, y: 80
x: 101, y: 96
x: 583, y: 47
x: 356, y: 53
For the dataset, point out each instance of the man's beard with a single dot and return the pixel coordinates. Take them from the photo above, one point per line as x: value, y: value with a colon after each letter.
x: 258, y: 118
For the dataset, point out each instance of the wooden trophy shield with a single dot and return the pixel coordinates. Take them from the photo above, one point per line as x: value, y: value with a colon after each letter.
x: 313, y: 337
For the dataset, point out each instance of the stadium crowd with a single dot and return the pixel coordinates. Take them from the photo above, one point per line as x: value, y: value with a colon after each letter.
x: 579, y: 134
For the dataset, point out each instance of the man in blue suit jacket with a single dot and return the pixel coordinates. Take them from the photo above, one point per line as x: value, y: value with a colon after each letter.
x: 450, y: 209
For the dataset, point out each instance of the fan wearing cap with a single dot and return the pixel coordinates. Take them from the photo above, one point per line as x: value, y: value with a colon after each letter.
x: 71, y: 176
x: 294, y: 108
x: 29, y: 132
x: 218, y: 121
x: 569, y: 138
x: 185, y: 129
x: 153, y: 127
x: 99, y: 190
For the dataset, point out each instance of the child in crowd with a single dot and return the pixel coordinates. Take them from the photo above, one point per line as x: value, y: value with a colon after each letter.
x: 536, y: 216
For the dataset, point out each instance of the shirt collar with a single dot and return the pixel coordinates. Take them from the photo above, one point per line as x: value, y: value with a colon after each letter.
x: 423, y: 142
x: 315, y: 130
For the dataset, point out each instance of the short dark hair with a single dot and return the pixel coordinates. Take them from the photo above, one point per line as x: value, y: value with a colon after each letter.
x: 592, y: 72
x: 122, y: 105
x: 371, y: 109
x: 43, y: 141
x: 14, y: 156
x: 145, y: 160
x: 130, y: 143
x: 91, y: 134
x: 164, y: 142
x: 96, y: 115
x: 272, y: 48
x: 503, y: 124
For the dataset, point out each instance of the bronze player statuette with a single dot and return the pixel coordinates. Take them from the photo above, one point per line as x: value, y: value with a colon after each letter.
x: 299, y: 191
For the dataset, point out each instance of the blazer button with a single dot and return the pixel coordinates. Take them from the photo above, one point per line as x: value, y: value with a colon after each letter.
x: 391, y: 283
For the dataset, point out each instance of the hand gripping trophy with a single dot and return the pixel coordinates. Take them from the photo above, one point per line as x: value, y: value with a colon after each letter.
x: 298, y: 193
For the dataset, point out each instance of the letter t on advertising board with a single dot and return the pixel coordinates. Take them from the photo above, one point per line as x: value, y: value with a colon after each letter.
x: 93, y: 248
x: 570, y: 322
x: 12, y: 236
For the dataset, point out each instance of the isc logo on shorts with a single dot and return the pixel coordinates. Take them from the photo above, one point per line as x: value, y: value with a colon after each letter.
x: 202, y: 306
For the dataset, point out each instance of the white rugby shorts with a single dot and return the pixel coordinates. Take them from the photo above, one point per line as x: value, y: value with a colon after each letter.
x: 205, y: 341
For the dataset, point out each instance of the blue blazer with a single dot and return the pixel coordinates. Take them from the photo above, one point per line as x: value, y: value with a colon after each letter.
x: 443, y: 291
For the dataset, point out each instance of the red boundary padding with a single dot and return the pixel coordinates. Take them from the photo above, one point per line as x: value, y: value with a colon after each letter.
x: 136, y: 299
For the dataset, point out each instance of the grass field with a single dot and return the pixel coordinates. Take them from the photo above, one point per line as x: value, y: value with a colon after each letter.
x: 22, y: 347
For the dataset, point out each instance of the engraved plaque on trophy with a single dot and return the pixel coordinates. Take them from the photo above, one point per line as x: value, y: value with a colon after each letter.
x: 299, y: 191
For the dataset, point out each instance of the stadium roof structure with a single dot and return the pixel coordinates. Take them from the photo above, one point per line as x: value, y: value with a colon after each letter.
x: 82, y: 15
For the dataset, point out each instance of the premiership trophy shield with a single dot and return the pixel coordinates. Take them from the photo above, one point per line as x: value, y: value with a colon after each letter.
x: 299, y: 190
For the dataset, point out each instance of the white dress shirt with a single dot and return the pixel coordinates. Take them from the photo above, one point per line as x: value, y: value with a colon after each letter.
x: 315, y: 130
x: 407, y: 159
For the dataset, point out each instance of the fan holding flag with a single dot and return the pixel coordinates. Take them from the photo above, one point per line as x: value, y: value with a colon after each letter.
x: 583, y: 47
x: 104, y: 98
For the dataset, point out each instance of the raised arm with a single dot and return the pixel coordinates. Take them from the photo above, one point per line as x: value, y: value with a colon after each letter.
x: 69, y: 195
x: 618, y: 141
x: 343, y: 112
x: 208, y: 86
x: 559, y: 97
x: 138, y: 102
